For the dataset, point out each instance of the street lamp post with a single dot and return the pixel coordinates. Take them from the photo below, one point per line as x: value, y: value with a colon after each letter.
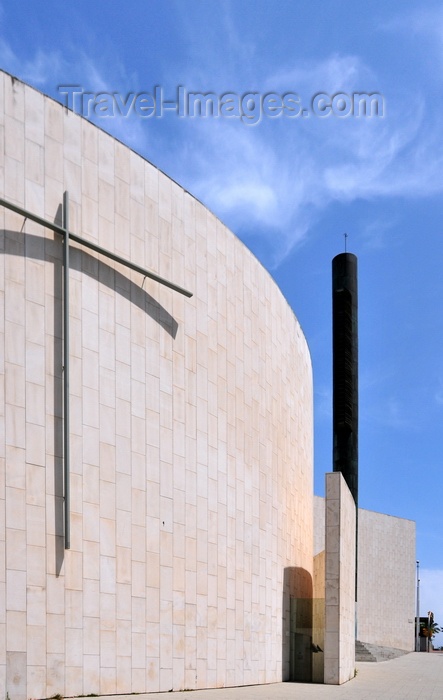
x: 417, y: 619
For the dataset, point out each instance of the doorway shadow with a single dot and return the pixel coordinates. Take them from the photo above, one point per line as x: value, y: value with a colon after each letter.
x: 297, y: 623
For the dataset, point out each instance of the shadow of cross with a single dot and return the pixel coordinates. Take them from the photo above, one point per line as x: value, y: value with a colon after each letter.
x: 106, y: 274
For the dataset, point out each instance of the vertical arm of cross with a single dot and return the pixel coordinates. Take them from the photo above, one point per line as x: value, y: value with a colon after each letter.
x: 66, y: 414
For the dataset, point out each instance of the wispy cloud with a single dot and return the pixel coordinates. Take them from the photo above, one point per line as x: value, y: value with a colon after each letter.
x: 336, y: 73
x: 375, y: 233
x: 275, y: 180
x: 34, y: 71
x: 421, y: 23
x: 250, y: 186
x: 48, y: 70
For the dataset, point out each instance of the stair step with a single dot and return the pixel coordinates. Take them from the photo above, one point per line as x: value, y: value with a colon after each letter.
x: 371, y: 652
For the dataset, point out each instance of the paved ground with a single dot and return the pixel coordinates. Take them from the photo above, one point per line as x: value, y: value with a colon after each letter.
x: 410, y: 677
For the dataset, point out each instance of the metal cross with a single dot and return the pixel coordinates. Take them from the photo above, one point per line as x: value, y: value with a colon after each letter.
x: 67, y: 236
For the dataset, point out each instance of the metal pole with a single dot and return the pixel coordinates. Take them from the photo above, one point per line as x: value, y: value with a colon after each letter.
x: 345, y: 377
x: 417, y: 618
x: 428, y: 638
x: 66, y: 426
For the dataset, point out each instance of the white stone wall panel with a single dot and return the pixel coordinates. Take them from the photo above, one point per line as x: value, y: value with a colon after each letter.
x: 340, y: 549
x: 386, y: 576
x: 191, y: 429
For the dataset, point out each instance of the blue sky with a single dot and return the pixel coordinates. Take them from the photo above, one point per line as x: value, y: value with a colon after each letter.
x: 290, y: 187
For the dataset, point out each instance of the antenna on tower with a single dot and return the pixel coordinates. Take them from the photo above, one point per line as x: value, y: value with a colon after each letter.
x: 346, y: 239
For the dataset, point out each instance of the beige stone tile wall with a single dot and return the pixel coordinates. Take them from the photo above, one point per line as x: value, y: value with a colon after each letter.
x: 319, y: 524
x: 340, y: 536
x: 386, y: 576
x: 318, y: 618
x: 191, y: 429
x: 386, y: 580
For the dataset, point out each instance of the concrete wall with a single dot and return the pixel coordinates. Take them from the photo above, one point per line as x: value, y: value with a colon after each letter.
x: 386, y: 581
x: 386, y: 576
x: 318, y: 619
x: 319, y: 524
x: 339, y: 653
x: 191, y: 430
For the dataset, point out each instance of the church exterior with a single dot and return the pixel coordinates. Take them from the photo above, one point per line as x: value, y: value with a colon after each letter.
x: 156, y: 510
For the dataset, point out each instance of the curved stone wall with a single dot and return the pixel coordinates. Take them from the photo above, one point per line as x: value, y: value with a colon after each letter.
x: 191, y: 430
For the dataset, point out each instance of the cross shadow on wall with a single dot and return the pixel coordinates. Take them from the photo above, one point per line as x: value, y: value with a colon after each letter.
x: 44, y: 248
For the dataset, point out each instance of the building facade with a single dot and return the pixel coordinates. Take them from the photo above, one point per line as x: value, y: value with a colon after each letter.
x: 190, y: 431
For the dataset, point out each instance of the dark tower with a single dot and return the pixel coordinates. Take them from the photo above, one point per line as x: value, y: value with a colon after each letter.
x: 345, y: 369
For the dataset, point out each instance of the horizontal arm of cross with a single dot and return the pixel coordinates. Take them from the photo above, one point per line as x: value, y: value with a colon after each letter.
x: 92, y: 246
